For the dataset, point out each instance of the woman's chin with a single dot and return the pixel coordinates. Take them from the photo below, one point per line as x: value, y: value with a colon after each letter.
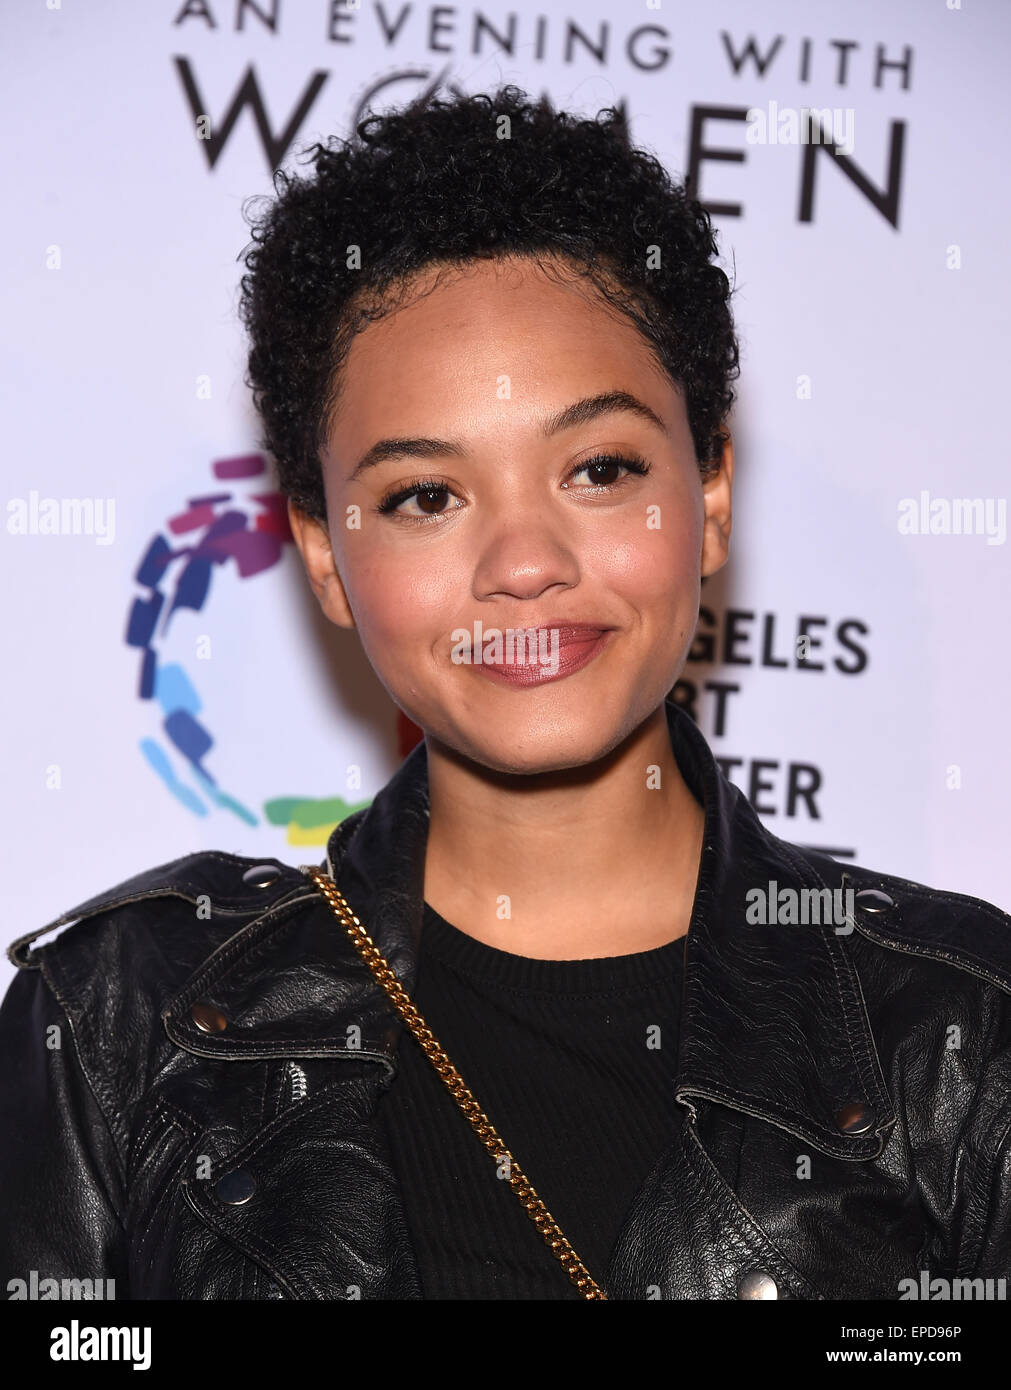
x: 529, y: 753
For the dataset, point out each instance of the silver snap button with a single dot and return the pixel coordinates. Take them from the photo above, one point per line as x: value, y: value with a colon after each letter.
x: 873, y: 900
x: 235, y: 1187
x: 855, y: 1118
x: 757, y: 1283
x: 261, y: 875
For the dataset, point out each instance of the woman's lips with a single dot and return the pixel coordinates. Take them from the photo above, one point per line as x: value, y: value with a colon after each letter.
x: 569, y: 648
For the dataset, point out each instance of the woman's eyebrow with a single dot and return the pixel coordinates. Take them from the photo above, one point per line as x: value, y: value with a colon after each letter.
x: 579, y: 413
x: 607, y: 403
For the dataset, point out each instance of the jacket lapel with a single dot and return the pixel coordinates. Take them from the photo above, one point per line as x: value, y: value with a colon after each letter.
x: 774, y: 1021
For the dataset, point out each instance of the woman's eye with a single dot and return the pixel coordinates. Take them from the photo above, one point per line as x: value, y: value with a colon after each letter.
x: 602, y: 474
x: 430, y: 499
x: 603, y: 469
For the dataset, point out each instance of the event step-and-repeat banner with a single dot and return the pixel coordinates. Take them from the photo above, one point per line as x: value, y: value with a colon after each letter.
x: 170, y: 683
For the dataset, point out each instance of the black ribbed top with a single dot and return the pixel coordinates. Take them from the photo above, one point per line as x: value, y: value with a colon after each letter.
x: 563, y: 1057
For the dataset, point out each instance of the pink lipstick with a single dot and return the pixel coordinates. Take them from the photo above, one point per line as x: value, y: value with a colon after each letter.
x: 540, y: 654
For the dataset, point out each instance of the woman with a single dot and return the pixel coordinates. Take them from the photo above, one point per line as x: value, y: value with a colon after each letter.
x: 629, y: 1043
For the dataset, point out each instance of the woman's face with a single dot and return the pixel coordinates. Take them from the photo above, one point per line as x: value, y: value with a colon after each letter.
x: 513, y: 532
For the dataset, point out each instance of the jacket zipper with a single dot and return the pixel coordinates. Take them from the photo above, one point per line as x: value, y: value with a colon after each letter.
x: 299, y: 1086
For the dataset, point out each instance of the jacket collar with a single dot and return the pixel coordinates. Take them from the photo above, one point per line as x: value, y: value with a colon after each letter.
x: 773, y: 1017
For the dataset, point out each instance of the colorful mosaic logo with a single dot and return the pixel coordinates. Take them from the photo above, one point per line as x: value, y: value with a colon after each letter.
x: 250, y: 530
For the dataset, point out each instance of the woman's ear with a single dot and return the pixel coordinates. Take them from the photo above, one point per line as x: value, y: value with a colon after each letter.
x: 717, y: 503
x: 313, y: 543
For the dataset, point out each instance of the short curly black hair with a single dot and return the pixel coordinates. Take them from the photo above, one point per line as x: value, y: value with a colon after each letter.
x: 448, y: 181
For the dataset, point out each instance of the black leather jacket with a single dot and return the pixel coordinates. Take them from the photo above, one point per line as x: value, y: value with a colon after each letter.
x: 202, y: 1124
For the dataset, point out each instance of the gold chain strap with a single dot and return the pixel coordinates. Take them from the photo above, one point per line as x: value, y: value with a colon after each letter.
x: 482, y: 1126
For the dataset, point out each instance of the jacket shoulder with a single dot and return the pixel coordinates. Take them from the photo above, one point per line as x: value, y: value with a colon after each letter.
x: 902, y: 914
x: 201, y: 895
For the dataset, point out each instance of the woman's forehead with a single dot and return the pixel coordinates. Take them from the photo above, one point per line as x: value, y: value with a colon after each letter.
x: 490, y: 322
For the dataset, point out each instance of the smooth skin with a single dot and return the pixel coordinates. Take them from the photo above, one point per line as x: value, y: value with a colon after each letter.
x: 543, y: 798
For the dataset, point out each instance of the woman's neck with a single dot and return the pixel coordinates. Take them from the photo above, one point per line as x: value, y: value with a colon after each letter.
x: 596, y: 861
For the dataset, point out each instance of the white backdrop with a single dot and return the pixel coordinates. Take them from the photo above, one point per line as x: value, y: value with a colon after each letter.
x: 872, y: 303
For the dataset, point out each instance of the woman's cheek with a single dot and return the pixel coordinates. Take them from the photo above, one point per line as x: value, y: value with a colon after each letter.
x: 648, y: 562
x: 407, y: 604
